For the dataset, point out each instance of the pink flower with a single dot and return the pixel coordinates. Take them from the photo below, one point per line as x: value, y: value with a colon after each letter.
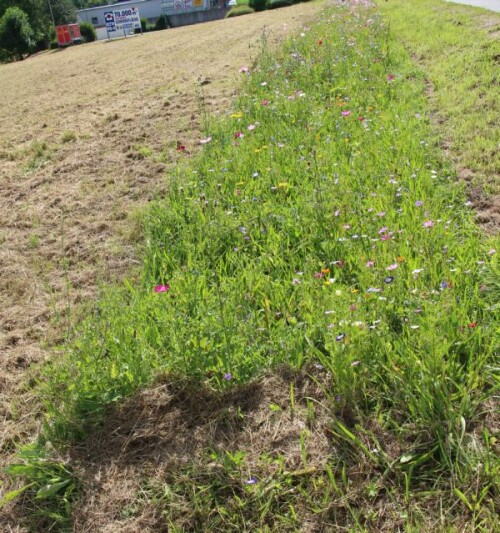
x: 390, y: 77
x: 392, y: 267
x: 346, y: 113
x: 162, y: 288
x: 428, y: 224
x: 264, y: 102
x: 369, y: 264
x: 238, y: 135
x: 361, y: 118
x: 244, y: 70
x: 251, y: 127
x: 492, y: 251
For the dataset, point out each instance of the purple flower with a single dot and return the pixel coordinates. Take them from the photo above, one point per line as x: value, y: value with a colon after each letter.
x: 251, y: 481
x: 444, y: 285
x: 340, y: 337
x: 419, y: 203
x: 389, y: 279
x: 228, y: 377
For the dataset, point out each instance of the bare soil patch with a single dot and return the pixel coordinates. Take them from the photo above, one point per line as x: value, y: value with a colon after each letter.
x: 87, y: 137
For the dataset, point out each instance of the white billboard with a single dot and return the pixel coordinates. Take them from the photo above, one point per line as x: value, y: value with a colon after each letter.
x: 122, y: 19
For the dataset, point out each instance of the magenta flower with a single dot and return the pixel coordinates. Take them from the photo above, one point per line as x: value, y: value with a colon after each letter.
x: 428, y: 224
x: 382, y: 230
x: 390, y: 77
x: 392, y: 267
x: 162, y: 288
x: 346, y: 113
x: 238, y: 135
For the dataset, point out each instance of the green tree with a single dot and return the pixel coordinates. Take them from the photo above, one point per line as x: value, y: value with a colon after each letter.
x: 63, y: 10
x: 16, y: 34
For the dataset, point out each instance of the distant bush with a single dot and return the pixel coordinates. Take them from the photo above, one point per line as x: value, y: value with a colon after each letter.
x: 16, y: 35
x: 88, y: 32
x: 274, y: 4
x: 258, y: 5
x: 161, y: 23
x: 236, y: 11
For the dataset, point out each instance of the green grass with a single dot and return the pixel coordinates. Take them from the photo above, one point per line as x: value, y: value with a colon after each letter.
x: 459, y: 50
x: 320, y: 225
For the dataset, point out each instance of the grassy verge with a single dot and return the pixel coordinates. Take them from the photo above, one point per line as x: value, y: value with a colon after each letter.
x: 459, y: 50
x: 320, y: 228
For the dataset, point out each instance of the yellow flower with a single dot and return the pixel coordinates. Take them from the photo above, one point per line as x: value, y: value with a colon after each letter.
x: 236, y: 115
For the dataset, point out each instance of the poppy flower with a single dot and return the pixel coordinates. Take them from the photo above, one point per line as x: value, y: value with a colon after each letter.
x: 472, y: 325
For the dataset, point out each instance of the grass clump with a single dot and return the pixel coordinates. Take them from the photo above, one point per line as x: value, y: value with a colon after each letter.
x: 319, y: 226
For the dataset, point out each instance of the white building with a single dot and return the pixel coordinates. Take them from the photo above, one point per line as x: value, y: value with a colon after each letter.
x: 181, y: 11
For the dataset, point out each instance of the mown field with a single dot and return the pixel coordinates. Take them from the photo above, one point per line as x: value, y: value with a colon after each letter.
x: 310, y: 340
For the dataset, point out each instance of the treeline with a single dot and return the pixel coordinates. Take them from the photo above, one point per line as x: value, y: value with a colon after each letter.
x: 26, y: 26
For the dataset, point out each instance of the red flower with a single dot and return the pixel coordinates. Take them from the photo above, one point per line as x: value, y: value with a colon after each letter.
x: 472, y: 325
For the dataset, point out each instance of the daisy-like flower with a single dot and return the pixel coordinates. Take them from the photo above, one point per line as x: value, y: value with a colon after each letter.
x: 251, y: 127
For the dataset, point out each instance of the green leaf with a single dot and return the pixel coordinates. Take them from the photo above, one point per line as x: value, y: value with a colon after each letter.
x: 12, y: 495
x: 49, y: 490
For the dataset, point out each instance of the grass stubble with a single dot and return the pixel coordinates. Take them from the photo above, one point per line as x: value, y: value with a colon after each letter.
x: 320, y: 232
